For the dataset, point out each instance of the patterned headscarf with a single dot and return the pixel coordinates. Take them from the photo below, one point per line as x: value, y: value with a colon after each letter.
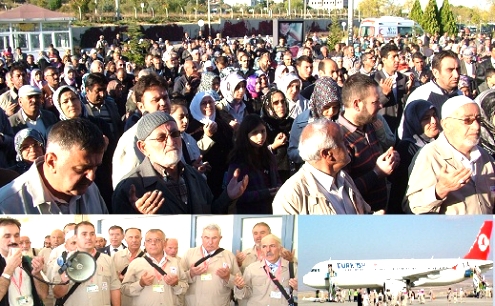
x: 326, y: 91
x: 22, y: 135
x: 195, y: 107
x: 206, y: 84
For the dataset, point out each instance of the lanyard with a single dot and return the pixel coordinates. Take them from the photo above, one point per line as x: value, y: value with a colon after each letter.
x: 20, y: 281
x: 208, y: 260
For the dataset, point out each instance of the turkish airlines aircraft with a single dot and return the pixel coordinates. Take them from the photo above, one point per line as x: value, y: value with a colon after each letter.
x: 396, y: 274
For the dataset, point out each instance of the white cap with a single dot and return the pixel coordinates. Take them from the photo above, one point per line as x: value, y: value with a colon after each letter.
x: 453, y: 104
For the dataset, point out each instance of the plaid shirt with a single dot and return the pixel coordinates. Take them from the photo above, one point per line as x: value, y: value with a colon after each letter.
x: 364, y: 149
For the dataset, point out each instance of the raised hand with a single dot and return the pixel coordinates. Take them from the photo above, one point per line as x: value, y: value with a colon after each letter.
x: 149, y: 203
x: 146, y: 279
x: 451, y: 180
x: 235, y: 189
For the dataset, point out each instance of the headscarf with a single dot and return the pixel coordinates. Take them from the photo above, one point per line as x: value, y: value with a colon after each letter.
x: 56, y: 102
x: 413, y: 131
x: 206, y: 84
x: 326, y: 91
x: 251, y: 86
x: 196, y: 107
x: 69, y: 81
x: 279, y: 73
x: 22, y: 135
x: 285, y: 82
x: 228, y: 85
x: 33, y: 81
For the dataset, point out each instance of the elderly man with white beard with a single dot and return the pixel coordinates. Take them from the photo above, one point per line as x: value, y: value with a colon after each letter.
x: 453, y: 175
x: 162, y: 184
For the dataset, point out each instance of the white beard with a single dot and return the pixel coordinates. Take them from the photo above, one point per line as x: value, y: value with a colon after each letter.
x: 171, y: 158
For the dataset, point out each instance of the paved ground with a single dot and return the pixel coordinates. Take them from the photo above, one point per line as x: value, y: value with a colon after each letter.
x: 466, y: 301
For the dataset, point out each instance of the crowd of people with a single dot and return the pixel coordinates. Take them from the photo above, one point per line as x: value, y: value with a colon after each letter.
x: 127, y: 274
x: 246, y: 126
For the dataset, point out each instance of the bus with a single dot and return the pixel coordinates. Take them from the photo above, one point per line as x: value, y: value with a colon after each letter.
x: 389, y: 27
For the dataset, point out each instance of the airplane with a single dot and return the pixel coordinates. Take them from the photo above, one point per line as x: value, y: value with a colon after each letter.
x: 396, y: 274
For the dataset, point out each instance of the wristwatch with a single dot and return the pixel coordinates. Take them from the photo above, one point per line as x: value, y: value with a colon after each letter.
x: 5, y: 275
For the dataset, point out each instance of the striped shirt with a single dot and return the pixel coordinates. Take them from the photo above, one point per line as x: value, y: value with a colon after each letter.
x: 364, y: 148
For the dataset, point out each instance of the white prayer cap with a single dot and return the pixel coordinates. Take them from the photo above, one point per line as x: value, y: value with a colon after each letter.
x: 70, y: 234
x: 454, y: 103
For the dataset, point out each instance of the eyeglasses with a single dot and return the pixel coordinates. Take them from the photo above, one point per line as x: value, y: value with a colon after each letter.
x: 468, y: 120
x: 33, y: 145
x: 207, y: 102
x: 53, y: 75
x: 156, y: 240
x: 164, y: 137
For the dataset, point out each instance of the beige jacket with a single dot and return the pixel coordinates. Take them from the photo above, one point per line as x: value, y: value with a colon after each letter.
x: 476, y: 197
x: 260, y: 289
x: 209, y: 288
x: 300, y: 195
x: 157, y: 294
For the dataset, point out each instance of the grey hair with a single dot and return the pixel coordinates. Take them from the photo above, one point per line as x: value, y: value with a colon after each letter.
x: 320, y: 139
x: 213, y: 227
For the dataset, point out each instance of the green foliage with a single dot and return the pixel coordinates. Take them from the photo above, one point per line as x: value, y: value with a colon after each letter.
x: 136, y: 51
x: 447, y: 19
x: 416, y: 13
x: 54, y: 4
x: 334, y: 33
x: 431, y: 22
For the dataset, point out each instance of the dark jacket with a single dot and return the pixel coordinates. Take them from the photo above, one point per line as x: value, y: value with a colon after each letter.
x: 145, y: 178
x: 106, y: 250
x: 393, y: 106
x: 18, y: 123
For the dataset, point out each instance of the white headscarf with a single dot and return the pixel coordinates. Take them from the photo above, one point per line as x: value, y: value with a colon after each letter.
x: 228, y: 85
x: 195, y: 107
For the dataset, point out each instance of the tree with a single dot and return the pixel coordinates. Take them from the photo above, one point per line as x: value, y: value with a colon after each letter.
x: 430, y: 18
x: 447, y: 19
x: 54, y: 5
x: 371, y: 8
x: 136, y: 50
x: 416, y: 13
x: 334, y: 33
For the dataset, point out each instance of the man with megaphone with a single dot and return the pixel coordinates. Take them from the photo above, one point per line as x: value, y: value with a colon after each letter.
x: 17, y: 285
x: 95, y: 279
x: 155, y: 278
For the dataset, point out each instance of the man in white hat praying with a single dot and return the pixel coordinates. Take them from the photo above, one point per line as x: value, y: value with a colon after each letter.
x: 453, y: 175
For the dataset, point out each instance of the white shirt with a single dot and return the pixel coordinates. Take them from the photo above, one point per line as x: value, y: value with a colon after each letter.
x: 20, y: 290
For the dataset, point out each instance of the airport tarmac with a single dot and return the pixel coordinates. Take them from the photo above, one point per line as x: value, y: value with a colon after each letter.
x: 465, y: 301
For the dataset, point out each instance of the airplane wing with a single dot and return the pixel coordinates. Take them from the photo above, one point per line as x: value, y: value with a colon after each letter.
x: 416, y: 276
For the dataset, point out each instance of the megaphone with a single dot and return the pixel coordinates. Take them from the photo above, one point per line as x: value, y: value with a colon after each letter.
x: 80, y: 266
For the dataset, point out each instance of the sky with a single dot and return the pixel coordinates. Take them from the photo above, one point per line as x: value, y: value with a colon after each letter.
x: 384, y: 237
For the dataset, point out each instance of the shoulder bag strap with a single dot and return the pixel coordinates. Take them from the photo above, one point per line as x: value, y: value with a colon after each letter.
x: 125, y: 269
x: 218, y: 251
x: 157, y: 268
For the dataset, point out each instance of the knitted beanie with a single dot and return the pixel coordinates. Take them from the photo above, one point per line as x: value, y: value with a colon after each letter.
x: 150, y: 122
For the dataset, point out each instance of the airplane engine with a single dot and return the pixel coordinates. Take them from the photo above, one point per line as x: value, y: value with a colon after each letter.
x: 393, y: 285
x: 468, y: 273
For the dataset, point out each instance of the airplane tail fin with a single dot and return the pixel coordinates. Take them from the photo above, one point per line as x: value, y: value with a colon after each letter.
x: 481, y: 246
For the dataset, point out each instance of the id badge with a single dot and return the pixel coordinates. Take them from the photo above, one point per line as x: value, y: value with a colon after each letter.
x: 92, y: 288
x: 206, y: 277
x: 276, y: 295
x: 22, y: 300
x: 158, y: 288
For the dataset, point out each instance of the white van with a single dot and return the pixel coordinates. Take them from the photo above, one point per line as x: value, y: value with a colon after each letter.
x: 389, y: 27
